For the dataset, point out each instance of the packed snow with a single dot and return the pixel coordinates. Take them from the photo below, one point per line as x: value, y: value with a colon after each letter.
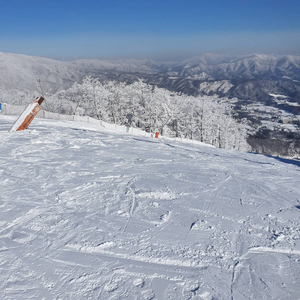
x: 88, y: 213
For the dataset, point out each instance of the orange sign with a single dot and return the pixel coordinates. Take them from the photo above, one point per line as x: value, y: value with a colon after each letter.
x: 27, y: 115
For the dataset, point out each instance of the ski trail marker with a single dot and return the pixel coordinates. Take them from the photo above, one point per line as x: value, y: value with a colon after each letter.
x: 27, y: 115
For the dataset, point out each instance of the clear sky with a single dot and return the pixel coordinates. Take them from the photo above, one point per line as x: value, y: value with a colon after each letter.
x: 156, y: 29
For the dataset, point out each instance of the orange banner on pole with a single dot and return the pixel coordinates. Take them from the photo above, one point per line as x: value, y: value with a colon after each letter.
x: 27, y: 115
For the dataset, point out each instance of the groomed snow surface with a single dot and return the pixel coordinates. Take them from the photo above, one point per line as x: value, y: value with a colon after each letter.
x: 87, y: 213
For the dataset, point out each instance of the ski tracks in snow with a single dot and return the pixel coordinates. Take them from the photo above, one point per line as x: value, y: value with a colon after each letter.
x: 131, y: 193
x: 98, y: 215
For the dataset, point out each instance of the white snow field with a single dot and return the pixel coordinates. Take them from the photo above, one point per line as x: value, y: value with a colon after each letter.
x: 88, y: 213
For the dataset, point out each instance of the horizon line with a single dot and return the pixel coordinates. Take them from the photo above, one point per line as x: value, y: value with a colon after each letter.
x: 137, y: 58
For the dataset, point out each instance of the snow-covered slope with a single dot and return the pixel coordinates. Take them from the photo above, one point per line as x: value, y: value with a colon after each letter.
x: 20, y: 72
x: 92, y: 214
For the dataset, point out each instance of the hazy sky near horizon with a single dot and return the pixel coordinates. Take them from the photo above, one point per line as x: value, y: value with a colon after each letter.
x: 156, y: 29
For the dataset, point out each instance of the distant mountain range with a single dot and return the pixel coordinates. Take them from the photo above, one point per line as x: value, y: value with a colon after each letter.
x: 250, y: 77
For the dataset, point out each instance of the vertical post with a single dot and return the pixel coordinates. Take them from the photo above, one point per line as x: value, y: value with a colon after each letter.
x: 27, y: 115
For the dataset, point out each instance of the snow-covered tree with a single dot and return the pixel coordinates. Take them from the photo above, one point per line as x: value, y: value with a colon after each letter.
x: 150, y: 108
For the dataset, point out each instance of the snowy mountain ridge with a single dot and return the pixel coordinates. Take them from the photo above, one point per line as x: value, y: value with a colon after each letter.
x: 87, y: 213
x: 20, y: 71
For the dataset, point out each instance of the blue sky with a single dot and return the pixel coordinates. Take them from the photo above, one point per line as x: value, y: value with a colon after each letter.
x: 156, y: 29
